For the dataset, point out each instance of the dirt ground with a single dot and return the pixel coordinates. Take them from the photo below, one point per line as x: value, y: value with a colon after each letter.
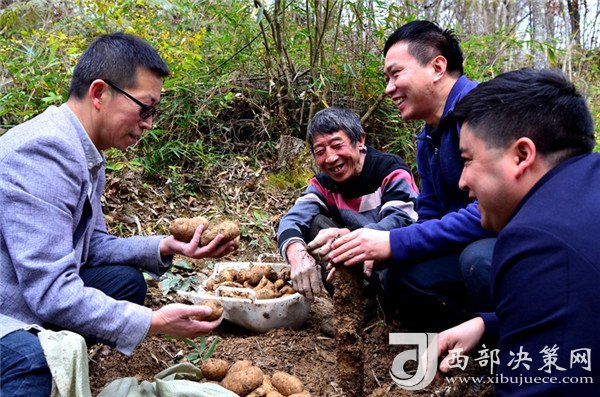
x: 308, y: 353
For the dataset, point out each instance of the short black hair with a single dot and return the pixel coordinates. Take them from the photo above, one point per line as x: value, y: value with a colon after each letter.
x: 426, y: 40
x: 539, y: 104
x: 115, y: 57
x: 334, y: 119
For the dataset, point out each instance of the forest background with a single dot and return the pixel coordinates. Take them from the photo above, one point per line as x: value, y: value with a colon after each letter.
x: 245, y: 73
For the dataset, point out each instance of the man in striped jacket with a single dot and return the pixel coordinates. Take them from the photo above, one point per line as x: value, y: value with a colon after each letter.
x: 358, y: 186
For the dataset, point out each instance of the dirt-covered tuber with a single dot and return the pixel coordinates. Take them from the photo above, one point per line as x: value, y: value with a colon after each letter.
x: 183, y: 229
x: 286, y: 384
x: 215, y: 369
x: 245, y: 380
x: 217, y: 309
x: 229, y: 229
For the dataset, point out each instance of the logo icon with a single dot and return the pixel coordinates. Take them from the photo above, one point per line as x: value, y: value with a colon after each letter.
x: 425, y: 355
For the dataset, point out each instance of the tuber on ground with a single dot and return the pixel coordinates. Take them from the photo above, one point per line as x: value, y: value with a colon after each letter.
x: 244, y: 381
x: 239, y: 365
x: 264, y: 389
x: 303, y: 393
x: 247, y: 380
x: 215, y: 369
x: 286, y: 384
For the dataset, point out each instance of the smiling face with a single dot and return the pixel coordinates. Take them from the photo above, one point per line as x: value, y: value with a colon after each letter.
x: 119, y: 121
x: 490, y: 175
x: 410, y: 84
x: 337, y: 157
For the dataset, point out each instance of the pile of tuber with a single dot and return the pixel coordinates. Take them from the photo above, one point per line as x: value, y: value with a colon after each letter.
x: 247, y: 380
x: 263, y: 279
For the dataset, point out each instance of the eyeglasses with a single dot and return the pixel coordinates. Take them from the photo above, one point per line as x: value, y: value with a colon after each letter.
x: 145, y: 111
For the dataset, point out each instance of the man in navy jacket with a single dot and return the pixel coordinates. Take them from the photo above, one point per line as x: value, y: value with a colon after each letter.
x: 439, y: 273
x: 526, y: 140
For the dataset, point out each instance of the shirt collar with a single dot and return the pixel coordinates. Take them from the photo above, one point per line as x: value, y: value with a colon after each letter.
x: 460, y: 88
x: 94, y: 158
x: 545, y: 178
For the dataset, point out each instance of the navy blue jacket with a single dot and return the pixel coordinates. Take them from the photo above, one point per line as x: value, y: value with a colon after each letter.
x: 448, y: 220
x: 546, y: 282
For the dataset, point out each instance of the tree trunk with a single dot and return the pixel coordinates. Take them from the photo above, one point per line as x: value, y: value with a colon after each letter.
x: 538, y: 34
x: 574, y: 18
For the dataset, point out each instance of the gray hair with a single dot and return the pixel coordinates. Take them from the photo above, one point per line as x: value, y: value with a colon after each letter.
x: 334, y: 119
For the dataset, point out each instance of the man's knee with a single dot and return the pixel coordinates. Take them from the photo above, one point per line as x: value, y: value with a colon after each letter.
x: 135, y: 287
x: 23, y: 367
x: 119, y: 282
x: 476, y: 267
x: 429, y: 294
x: 476, y: 258
x: 319, y: 223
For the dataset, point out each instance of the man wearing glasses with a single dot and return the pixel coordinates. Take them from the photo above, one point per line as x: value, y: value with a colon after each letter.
x: 59, y: 268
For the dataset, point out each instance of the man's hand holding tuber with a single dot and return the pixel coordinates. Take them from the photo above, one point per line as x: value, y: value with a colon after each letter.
x: 171, y: 246
x: 182, y: 321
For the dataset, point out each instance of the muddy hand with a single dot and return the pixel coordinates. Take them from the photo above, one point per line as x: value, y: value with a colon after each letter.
x: 306, y: 274
x: 321, y: 245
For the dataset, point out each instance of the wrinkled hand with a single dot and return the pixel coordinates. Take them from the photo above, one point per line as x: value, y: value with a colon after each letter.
x: 361, y: 245
x: 367, y: 270
x: 464, y: 336
x: 170, y: 246
x: 182, y: 321
x: 306, y: 274
x: 321, y: 245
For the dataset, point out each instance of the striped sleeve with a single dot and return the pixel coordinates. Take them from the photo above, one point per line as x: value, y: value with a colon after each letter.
x: 398, y: 195
x: 294, y: 225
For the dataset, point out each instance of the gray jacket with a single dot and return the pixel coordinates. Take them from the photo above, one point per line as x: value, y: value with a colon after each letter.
x: 51, y: 223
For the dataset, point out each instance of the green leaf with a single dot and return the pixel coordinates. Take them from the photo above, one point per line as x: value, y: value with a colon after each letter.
x: 193, y: 357
x: 211, y: 348
x: 52, y: 97
x: 202, y: 343
x: 189, y: 342
x: 182, y: 265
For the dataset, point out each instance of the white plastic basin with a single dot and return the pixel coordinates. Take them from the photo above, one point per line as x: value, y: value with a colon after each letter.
x: 259, y: 315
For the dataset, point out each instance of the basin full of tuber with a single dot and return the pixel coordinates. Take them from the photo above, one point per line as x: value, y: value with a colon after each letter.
x: 254, y: 295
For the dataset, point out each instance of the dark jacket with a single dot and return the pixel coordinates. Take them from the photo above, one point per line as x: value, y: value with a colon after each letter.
x: 546, y: 274
x: 448, y: 220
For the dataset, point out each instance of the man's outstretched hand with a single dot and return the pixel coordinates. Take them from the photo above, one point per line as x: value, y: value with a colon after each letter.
x: 361, y: 245
x: 171, y: 246
x: 184, y: 321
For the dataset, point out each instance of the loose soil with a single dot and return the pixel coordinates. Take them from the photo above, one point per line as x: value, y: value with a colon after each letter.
x: 308, y: 353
